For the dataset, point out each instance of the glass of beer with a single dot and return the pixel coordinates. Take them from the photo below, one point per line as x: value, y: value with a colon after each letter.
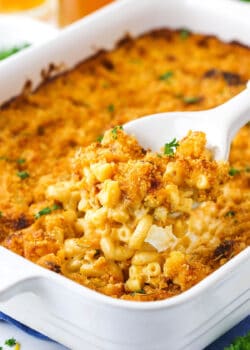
x: 45, y: 10
x: 19, y: 5
x: 72, y: 10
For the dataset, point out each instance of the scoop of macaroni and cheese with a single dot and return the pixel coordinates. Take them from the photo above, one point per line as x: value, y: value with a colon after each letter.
x: 131, y: 212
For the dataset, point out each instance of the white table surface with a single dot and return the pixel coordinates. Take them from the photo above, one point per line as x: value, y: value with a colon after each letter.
x: 27, y: 342
x: 17, y: 30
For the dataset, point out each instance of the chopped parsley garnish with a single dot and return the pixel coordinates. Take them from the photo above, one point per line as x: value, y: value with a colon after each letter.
x: 1, y: 214
x: 191, y: 100
x: 21, y: 161
x: 240, y: 343
x: 165, y: 76
x: 111, y: 108
x: 247, y: 169
x: 99, y: 138
x: 18, y: 161
x: 56, y: 207
x: 140, y: 291
x: 115, y: 129
x: 23, y: 174
x: 42, y: 212
x: 10, y: 342
x: 170, y: 147
x: 230, y: 213
x: 47, y: 210
x: 245, y: 0
x: 233, y: 172
x: 184, y: 34
x: 9, y: 52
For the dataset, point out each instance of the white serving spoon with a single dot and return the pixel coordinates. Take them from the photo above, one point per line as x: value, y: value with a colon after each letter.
x: 220, y: 125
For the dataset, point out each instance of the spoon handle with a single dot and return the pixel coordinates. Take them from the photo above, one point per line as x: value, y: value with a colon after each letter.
x: 235, y: 113
x: 229, y: 118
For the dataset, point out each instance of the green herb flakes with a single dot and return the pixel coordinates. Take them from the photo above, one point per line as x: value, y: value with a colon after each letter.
x: 42, y: 212
x: 111, y: 108
x: 191, y: 100
x: 230, y: 213
x: 21, y: 161
x: 247, y: 169
x: 1, y: 214
x: 184, y: 34
x: 10, y: 342
x: 56, y: 207
x: 233, y: 172
x: 99, y: 138
x: 47, y: 210
x: 166, y: 76
x: 115, y: 129
x: 140, y: 291
x: 23, y: 174
x: 170, y: 148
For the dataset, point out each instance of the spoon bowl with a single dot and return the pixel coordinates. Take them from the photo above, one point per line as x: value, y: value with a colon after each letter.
x: 220, y: 125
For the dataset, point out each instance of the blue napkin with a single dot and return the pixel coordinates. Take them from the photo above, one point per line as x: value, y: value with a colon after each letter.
x: 24, y: 328
x: 240, y: 330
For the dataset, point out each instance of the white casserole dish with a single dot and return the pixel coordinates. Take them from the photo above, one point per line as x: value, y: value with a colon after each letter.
x: 74, y: 315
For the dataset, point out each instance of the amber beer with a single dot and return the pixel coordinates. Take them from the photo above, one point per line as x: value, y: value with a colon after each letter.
x: 72, y: 10
x: 19, y: 5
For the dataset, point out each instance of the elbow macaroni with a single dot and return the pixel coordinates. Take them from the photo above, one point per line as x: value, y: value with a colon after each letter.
x: 134, y: 209
x: 140, y: 233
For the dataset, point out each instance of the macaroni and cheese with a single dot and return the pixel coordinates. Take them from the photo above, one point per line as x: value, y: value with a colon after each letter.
x: 110, y: 233
x: 131, y: 211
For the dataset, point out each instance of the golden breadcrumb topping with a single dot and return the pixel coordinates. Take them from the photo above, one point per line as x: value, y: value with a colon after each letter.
x: 131, y: 210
